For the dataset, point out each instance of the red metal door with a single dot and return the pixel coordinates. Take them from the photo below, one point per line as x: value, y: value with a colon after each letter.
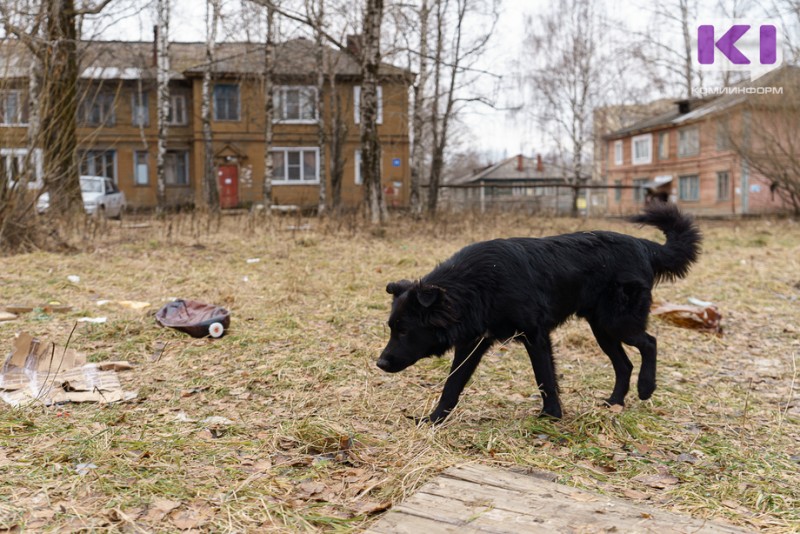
x: 228, y: 186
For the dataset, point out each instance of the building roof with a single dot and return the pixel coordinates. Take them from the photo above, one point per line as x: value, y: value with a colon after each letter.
x: 133, y: 59
x: 703, y: 107
x: 516, y: 168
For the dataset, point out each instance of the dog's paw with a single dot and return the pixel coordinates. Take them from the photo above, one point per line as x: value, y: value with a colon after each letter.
x: 645, y: 388
x: 552, y: 413
x: 426, y: 420
x: 613, y: 401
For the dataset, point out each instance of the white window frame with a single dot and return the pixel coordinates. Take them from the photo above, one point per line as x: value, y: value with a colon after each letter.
x: 22, y: 153
x: 682, y: 189
x: 301, y: 181
x: 183, y: 118
x: 20, y: 108
x: 618, y: 152
x: 279, y: 101
x: 82, y: 156
x: 643, y: 159
x: 136, y: 181
x: 108, y: 117
x: 357, y: 104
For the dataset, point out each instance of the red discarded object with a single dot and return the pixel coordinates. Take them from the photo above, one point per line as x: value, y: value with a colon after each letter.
x: 193, y: 317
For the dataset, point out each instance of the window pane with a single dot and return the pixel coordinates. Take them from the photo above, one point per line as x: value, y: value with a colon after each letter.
x: 292, y: 104
x: 293, y: 164
x: 309, y: 104
x: 278, y: 166
x: 309, y: 165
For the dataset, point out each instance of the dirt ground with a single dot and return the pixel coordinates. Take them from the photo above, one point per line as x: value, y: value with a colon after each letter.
x: 310, y: 436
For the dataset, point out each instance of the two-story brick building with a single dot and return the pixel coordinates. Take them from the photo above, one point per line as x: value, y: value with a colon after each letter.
x: 118, y: 121
x: 688, y: 155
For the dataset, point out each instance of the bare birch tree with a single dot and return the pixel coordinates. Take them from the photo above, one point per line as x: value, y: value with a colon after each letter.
x: 418, y: 121
x: 162, y: 99
x: 318, y: 16
x: 567, y: 81
x: 269, y: 105
x: 370, y: 142
x: 210, y: 192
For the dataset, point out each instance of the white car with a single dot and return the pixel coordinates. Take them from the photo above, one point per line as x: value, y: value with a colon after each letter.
x: 101, y: 196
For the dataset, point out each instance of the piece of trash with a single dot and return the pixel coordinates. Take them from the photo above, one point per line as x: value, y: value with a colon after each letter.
x: 183, y: 418
x: 127, y: 304
x: 37, y: 371
x: 84, y: 469
x: 706, y: 318
x: 74, y: 278
x: 6, y: 316
x: 93, y: 320
x: 216, y: 420
x: 216, y: 330
x: 253, y: 260
x: 698, y: 302
x: 245, y: 278
x: 193, y: 317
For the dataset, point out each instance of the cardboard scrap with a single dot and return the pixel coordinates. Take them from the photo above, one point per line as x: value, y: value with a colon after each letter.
x: 706, y: 317
x: 34, y: 371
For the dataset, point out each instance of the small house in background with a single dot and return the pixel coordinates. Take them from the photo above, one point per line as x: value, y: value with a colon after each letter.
x: 519, y: 182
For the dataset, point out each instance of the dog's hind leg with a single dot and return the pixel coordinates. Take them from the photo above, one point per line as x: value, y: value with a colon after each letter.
x: 466, y: 359
x: 648, y: 347
x: 540, y: 351
x: 619, y: 359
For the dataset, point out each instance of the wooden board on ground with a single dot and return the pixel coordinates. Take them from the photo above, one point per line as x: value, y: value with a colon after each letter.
x: 478, y: 498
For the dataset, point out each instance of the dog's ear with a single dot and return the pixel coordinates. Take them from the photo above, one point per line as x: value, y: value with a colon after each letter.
x: 398, y: 288
x: 429, y: 295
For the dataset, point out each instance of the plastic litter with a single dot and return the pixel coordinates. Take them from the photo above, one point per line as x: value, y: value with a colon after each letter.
x: 193, y: 317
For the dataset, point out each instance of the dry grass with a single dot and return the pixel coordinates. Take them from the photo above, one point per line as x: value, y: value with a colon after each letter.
x: 320, y: 440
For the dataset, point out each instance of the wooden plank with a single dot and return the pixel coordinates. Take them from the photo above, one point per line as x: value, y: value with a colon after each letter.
x: 477, y: 498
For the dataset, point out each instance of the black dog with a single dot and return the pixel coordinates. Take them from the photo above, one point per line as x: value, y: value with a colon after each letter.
x: 523, y: 288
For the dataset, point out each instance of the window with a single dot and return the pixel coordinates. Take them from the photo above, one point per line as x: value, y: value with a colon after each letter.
x: 642, y: 149
x: 176, y: 116
x: 357, y: 162
x: 618, y: 152
x: 638, y: 189
x: 141, y: 170
x: 16, y: 163
x: 357, y: 104
x: 98, y: 110
x: 176, y: 167
x: 13, y: 110
x: 688, y: 142
x: 723, y: 136
x: 296, y: 103
x: 295, y: 165
x: 618, y: 191
x: 689, y: 188
x: 723, y: 186
x: 663, y: 145
x: 226, y: 102
x: 98, y: 163
x: 140, y: 109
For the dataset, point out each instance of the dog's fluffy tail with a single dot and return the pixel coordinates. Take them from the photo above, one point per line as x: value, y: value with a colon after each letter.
x: 672, y: 259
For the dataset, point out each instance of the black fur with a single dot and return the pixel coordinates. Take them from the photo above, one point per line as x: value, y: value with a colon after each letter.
x: 523, y: 288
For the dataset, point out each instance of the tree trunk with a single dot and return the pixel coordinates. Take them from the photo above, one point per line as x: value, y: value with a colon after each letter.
x: 162, y: 100
x: 269, y: 107
x: 321, y: 137
x: 59, y: 108
x: 338, y: 137
x: 370, y: 143
x: 210, y: 192
x: 418, y: 123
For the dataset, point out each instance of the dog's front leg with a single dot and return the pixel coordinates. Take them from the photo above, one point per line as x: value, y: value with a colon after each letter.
x: 465, y: 361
